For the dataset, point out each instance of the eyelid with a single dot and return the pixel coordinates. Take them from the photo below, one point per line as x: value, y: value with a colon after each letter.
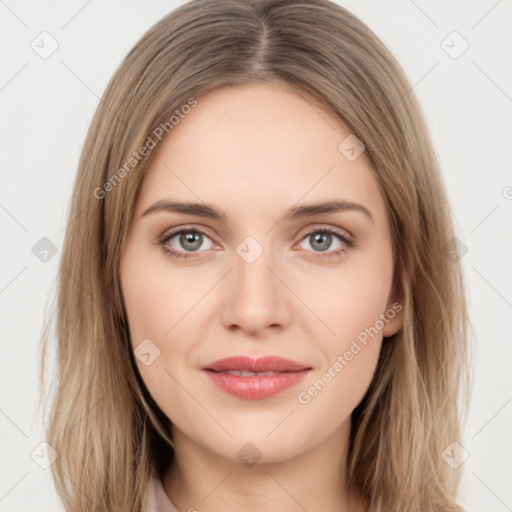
x: 326, y: 227
x: 169, y: 234
x: 192, y: 227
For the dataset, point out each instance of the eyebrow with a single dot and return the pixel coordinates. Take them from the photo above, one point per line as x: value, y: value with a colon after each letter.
x: 296, y: 212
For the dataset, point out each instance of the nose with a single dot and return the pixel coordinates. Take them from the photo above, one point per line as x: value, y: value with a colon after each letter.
x: 256, y: 299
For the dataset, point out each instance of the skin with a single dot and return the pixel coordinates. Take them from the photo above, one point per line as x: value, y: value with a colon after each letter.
x: 254, y: 151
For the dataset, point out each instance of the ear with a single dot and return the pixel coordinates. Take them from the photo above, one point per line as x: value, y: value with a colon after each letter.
x: 395, y: 310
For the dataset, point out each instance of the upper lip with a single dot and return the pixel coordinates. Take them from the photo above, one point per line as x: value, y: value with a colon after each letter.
x: 259, y: 364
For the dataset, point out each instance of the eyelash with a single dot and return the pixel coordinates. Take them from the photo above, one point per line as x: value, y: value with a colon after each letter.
x: 349, y: 243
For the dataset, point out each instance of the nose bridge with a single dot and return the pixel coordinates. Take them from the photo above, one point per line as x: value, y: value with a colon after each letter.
x: 256, y: 298
x: 252, y: 266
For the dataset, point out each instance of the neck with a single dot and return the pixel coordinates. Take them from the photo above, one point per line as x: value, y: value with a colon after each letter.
x: 201, y: 479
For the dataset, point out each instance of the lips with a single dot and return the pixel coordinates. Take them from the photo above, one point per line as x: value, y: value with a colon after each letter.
x: 255, y: 379
x: 259, y: 365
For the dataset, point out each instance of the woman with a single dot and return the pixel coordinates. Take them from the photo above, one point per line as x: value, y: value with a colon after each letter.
x: 306, y: 351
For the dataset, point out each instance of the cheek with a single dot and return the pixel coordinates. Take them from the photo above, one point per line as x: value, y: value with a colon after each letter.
x: 148, y: 306
x: 340, y: 386
x: 351, y: 299
x: 157, y: 301
x: 351, y: 305
x: 162, y: 308
x: 357, y: 299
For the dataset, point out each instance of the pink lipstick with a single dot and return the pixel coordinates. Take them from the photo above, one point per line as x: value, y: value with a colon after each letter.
x: 255, y: 378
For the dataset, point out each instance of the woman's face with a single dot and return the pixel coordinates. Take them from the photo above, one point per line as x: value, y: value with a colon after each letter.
x: 311, y: 287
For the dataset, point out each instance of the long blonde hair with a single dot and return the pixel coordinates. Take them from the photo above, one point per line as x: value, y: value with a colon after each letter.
x: 108, y: 432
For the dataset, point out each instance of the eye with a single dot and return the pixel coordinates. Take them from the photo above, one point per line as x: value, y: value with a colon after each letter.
x: 323, y: 239
x: 190, y: 240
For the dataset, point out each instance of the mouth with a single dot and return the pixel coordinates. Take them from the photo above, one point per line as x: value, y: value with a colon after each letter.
x: 245, y: 373
x: 255, y: 379
x: 265, y: 364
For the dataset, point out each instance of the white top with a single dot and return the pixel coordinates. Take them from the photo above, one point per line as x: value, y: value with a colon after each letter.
x: 160, y: 502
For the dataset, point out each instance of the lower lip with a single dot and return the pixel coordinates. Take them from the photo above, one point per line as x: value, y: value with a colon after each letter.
x: 256, y: 387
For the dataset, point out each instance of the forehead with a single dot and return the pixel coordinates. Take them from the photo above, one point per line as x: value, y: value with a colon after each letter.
x: 261, y: 147
x: 253, y: 122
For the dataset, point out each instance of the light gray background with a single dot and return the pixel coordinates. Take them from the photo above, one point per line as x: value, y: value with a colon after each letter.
x: 47, y: 105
